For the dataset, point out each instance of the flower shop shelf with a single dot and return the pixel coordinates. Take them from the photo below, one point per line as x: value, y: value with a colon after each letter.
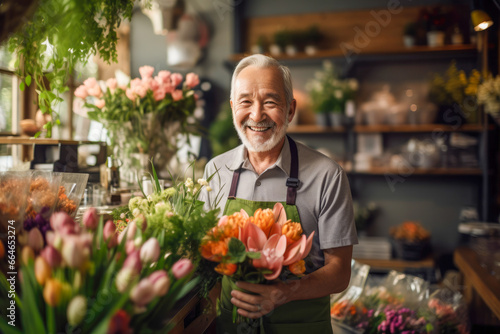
x: 311, y: 129
x: 418, y: 171
x: 419, y: 128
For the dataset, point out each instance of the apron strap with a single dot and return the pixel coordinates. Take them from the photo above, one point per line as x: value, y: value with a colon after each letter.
x: 292, y: 182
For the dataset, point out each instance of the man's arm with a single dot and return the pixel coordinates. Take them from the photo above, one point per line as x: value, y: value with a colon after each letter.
x: 333, y: 277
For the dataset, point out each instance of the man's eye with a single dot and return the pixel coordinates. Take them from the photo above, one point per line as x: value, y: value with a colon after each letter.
x: 245, y: 102
x: 270, y: 102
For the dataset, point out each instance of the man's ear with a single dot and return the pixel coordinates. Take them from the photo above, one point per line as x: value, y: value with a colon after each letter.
x: 291, y: 111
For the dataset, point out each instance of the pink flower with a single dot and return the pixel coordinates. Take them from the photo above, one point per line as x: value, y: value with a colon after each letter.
x: 81, y: 92
x: 160, y: 282
x: 74, y: 251
x: 109, y: 234
x: 279, y: 214
x: 181, y: 268
x: 95, y: 91
x: 130, y: 94
x: 141, y: 91
x: 90, y: 218
x: 124, y: 278
x: 298, y: 250
x: 177, y: 95
x: 130, y: 247
x: 192, y: 80
x: 159, y: 94
x: 129, y: 231
x: 35, y: 239
x: 164, y: 76
x: 176, y: 79
x: 61, y: 222
x: 90, y: 83
x: 133, y: 261
x: 52, y: 256
x: 112, y: 84
x: 271, y: 256
x: 135, y: 82
x: 142, y: 293
x: 146, y: 71
x: 150, y: 251
x: 151, y: 84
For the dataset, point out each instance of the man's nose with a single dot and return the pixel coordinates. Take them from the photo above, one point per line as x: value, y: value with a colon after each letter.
x: 257, y: 113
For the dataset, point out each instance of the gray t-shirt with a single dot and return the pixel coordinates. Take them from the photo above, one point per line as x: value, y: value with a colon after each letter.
x: 323, y: 198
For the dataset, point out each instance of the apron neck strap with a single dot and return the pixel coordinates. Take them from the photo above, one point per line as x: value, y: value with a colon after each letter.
x: 292, y: 182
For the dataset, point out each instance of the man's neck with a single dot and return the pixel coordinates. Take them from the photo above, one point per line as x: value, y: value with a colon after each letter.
x: 263, y: 160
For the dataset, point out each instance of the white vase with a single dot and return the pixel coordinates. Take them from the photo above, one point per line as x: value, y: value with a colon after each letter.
x: 310, y: 50
x: 408, y: 41
x: 435, y: 38
x: 336, y: 119
x: 275, y: 49
x: 291, y: 50
x: 321, y: 119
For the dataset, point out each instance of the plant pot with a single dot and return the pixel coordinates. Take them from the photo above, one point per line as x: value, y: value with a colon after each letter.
x: 322, y: 119
x: 411, y: 251
x: 336, y: 119
x: 435, y: 38
x: 408, y: 41
x: 275, y: 50
x: 291, y: 50
x: 310, y: 50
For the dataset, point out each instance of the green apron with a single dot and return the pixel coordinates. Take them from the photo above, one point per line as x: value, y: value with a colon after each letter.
x: 296, y: 317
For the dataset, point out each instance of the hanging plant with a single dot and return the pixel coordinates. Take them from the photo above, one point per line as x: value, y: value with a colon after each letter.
x: 60, y: 34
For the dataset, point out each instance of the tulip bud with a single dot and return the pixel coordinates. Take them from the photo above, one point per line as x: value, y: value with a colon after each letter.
x: 52, y: 292
x: 160, y: 282
x: 129, y: 231
x: 91, y: 218
x: 181, y: 268
x: 77, y: 281
x: 63, y: 223
x: 124, y: 278
x: 109, y: 234
x: 72, y: 254
x: 76, y: 310
x: 150, y: 251
x: 133, y: 261
x: 142, y: 293
x: 42, y: 270
x: 35, y: 239
x: 130, y: 247
x: 52, y: 256
x: 27, y: 254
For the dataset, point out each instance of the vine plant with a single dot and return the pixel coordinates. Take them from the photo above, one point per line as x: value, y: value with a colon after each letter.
x: 60, y: 34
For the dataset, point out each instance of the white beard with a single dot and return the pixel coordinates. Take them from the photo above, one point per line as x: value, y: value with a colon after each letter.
x: 259, y: 145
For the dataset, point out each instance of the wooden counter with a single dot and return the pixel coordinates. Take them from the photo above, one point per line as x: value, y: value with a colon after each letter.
x: 478, y: 281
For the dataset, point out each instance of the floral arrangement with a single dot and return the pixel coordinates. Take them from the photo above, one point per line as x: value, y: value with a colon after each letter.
x: 328, y: 92
x: 89, y: 278
x: 146, y: 116
x: 256, y: 248
x: 409, y: 231
x: 488, y: 94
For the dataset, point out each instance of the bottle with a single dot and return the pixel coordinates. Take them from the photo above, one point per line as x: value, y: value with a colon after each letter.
x: 113, y: 174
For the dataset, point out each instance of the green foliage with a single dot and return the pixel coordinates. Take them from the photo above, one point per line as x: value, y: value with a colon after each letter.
x: 60, y: 34
x: 222, y: 133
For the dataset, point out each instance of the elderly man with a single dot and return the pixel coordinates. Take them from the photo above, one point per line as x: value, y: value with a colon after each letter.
x: 270, y: 167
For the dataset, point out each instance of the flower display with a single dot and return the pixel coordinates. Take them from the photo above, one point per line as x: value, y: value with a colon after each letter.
x: 409, y: 231
x: 143, y: 117
x: 488, y: 94
x: 328, y: 92
x: 78, y: 273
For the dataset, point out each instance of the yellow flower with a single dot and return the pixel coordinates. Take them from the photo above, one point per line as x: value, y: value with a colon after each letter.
x: 52, y: 292
x: 292, y: 231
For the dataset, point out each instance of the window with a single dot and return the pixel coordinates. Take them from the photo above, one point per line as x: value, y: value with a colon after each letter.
x: 9, y: 94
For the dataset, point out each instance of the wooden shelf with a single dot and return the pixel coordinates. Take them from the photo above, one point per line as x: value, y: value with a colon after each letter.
x: 419, y: 128
x: 311, y: 129
x: 397, y: 264
x: 44, y: 141
x: 418, y: 171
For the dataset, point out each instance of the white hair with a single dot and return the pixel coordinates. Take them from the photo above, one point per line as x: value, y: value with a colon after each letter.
x: 262, y: 61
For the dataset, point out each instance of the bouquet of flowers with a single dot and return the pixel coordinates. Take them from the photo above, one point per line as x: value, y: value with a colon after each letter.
x: 257, y: 248
x: 144, y: 117
x: 488, y: 94
x: 90, y: 278
x: 328, y: 92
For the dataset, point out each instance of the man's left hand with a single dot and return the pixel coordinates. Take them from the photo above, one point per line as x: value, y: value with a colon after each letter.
x: 266, y: 298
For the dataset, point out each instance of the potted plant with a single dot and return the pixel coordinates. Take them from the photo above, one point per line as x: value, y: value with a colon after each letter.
x: 281, y: 40
x: 409, y: 34
x: 260, y: 45
x: 437, y: 26
x: 411, y: 241
x: 312, y: 38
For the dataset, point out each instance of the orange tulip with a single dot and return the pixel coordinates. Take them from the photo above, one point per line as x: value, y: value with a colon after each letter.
x: 298, y: 268
x: 292, y: 231
x: 42, y: 270
x: 226, y: 268
x: 52, y: 292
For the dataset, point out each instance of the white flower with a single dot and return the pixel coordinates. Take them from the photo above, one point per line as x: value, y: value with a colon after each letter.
x: 189, y: 183
x: 202, y: 182
x: 136, y: 212
x: 209, y: 189
x: 122, y: 216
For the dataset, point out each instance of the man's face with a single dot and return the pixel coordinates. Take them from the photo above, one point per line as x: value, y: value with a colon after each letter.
x: 259, y: 108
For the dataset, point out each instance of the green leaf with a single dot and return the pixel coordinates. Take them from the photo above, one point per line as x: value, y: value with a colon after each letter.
x: 253, y: 255
x: 28, y: 80
x: 236, y: 247
x: 21, y: 86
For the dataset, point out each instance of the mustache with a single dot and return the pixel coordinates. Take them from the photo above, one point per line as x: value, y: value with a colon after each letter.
x: 262, y: 124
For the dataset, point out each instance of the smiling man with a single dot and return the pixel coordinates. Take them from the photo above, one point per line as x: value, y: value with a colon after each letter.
x: 270, y: 167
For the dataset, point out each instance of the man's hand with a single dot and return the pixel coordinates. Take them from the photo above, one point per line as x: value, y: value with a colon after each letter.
x: 265, y: 299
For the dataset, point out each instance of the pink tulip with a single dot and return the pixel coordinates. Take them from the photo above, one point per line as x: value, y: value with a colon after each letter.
x: 150, y: 251
x: 99, y: 103
x: 124, y: 278
x: 133, y: 261
x: 141, y: 91
x: 164, y: 76
x: 146, y: 71
x: 112, y: 84
x: 129, y: 232
x: 151, y: 84
x: 159, y: 94
x: 90, y: 83
x: 95, y: 91
x: 142, y: 293
x: 177, y: 95
x: 160, y: 281
x: 192, y: 80
x: 90, y: 218
x: 130, y: 94
x: 109, y: 234
x: 73, y: 253
x: 52, y: 256
x: 35, y: 239
x: 81, y: 92
x: 175, y: 79
x: 181, y: 268
x: 135, y: 82
x: 61, y: 222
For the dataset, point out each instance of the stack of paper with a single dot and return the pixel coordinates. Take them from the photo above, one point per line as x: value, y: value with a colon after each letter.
x: 372, y: 248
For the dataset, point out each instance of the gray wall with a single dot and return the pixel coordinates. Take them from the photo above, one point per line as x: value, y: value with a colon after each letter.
x: 434, y: 201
